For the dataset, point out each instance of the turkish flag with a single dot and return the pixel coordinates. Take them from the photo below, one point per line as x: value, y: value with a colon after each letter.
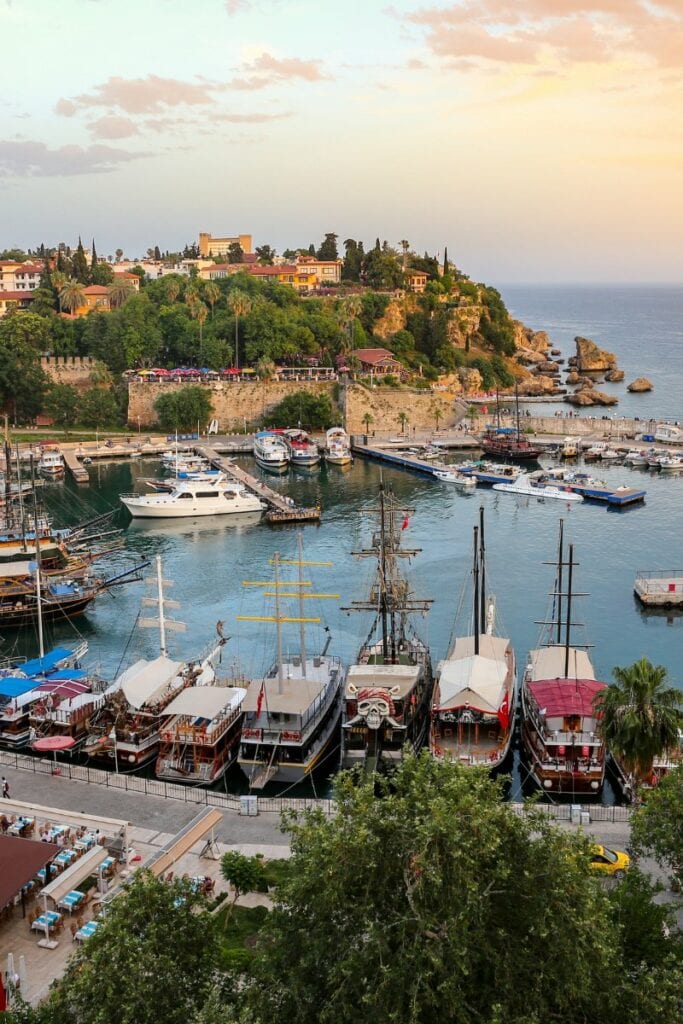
x: 504, y: 714
x: 404, y: 524
x: 259, y: 700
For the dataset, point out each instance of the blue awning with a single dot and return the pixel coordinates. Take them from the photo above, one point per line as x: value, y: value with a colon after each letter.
x: 68, y: 673
x: 46, y: 664
x: 13, y: 686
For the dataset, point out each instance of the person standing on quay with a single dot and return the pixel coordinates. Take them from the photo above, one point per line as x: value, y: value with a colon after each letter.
x: 5, y: 788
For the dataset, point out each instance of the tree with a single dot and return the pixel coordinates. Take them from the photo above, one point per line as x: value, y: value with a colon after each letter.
x: 102, y: 273
x: 93, y: 259
x: 199, y: 312
x: 403, y: 419
x: 245, y: 874
x: 438, y: 902
x: 240, y: 304
x: 328, y: 247
x: 98, y: 408
x: 265, y: 254
x: 172, y: 286
x: 235, y: 253
x: 61, y: 403
x: 657, y: 823
x: 438, y: 416
x: 71, y: 295
x: 639, y: 716
x: 405, y: 248
x: 157, y: 253
x: 313, y: 412
x: 22, y: 380
x: 120, y: 291
x: 59, y: 282
x: 382, y: 270
x: 119, y: 255
x: 212, y: 293
x: 445, y: 261
x: 79, y: 265
x: 153, y: 958
x: 368, y: 418
x: 184, y: 409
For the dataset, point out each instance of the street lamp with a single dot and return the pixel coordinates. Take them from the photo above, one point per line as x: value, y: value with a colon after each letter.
x: 138, y: 428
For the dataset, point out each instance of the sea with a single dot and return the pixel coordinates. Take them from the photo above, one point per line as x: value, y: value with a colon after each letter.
x: 216, y: 566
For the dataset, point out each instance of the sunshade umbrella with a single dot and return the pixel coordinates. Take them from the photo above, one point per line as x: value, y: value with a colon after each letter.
x: 53, y: 743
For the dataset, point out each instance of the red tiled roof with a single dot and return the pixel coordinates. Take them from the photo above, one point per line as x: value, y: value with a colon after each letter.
x: 96, y: 289
x: 374, y: 355
x: 16, y: 296
x: 21, y: 859
x: 29, y: 268
x: 125, y: 273
x: 265, y: 271
x: 560, y: 697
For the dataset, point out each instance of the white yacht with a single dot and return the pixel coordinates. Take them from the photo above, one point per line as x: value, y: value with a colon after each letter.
x: 524, y: 486
x: 191, y: 498
x: 302, y: 450
x: 51, y: 463
x: 669, y: 434
x: 338, y: 447
x: 271, y: 451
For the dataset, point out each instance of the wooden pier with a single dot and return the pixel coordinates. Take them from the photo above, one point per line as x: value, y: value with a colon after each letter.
x: 279, y: 508
x: 78, y: 472
x: 397, y: 456
x: 660, y: 588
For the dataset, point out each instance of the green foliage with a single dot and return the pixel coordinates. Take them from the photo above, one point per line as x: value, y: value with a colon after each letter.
x: 438, y: 902
x: 22, y: 381
x: 311, y: 411
x: 183, y: 408
x: 98, y: 408
x: 468, y: 290
x: 238, y: 928
x: 235, y: 253
x: 657, y: 823
x: 382, y: 270
x: 79, y: 265
x: 152, y: 959
x: 61, y: 403
x: 642, y: 921
x: 373, y: 306
x: 245, y: 874
x: 496, y: 326
x: 328, y: 248
x: 640, y: 716
x: 501, y: 372
x: 353, y: 260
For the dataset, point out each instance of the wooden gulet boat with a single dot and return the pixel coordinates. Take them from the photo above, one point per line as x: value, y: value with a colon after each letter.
x: 475, y: 698
x: 560, y: 736
x: 388, y: 691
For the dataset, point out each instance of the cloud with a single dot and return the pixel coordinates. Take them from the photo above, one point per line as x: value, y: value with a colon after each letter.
x: 250, y: 118
x: 150, y: 95
x: 528, y: 31
x: 267, y: 69
x: 113, y: 127
x: 31, y: 159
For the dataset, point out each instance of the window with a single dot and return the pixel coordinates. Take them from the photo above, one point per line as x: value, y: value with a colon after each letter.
x: 185, y: 496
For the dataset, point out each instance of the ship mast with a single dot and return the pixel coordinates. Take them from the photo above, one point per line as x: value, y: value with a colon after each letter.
x: 161, y: 622
x: 475, y: 573
x: 482, y: 564
x: 383, y: 571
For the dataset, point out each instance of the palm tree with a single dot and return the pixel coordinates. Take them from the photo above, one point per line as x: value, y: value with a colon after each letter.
x: 403, y: 419
x: 59, y: 281
x: 368, y: 418
x: 349, y: 311
x: 639, y: 716
x: 212, y: 293
x: 71, y: 295
x: 172, y: 287
x: 405, y: 246
x: 240, y: 304
x: 199, y: 312
x: 119, y: 292
x: 437, y: 416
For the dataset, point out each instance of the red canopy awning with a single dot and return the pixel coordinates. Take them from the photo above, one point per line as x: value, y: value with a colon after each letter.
x: 557, y: 698
x: 54, y: 743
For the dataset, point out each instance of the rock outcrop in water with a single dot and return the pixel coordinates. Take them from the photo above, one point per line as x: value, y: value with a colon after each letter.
x: 591, y: 359
x: 640, y: 384
x: 588, y: 396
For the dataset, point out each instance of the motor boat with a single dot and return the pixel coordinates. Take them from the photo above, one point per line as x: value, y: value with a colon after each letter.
x: 51, y: 463
x: 450, y: 476
x: 302, y: 450
x: 337, y: 447
x: 271, y: 451
x: 524, y: 486
x: 191, y: 498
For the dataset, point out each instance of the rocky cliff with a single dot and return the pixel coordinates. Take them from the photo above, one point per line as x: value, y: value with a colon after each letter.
x: 591, y: 359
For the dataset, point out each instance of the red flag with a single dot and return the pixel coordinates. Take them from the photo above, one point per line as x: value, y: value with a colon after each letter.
x: 404, y: 524
x: 259, y: 700
x: 504, y: 714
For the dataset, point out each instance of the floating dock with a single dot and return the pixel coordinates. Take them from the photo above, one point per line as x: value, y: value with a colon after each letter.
x: 618, y: 497
x: 78, y: 472
x: 279, y: 508
x: 659, y: 588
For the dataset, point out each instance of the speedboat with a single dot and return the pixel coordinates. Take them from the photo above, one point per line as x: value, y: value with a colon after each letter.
x: 523, y: 486
x: 271, y: 452
x: 569, y: 448
x: 671, y: 463
x: 191, y: 498
x: 302, y: 450
x: 51, y: 464
x: 450, y: 476
x: 337, y: 447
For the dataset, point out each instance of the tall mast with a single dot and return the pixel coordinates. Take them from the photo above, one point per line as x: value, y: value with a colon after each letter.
x: 8, y: 475
x: 278, y: 621
x: 569, y: 611
x: 162, y: 618
x: 475, y: 572
x: 39, y: 595
x: 160, y: 622
x: 383, y: 571
x: 302, y: 624
x: 560, y: 566
x: 517, y: 406
x: 482, y: 562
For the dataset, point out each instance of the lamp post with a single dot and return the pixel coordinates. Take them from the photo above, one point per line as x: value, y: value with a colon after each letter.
x: 138, y: 429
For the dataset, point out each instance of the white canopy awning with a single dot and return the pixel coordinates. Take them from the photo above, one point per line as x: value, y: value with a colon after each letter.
x: 206, y: 701
x: 145, y: 681
x: 475, y: 682
x: 75, y: 874
x: 549, y: 663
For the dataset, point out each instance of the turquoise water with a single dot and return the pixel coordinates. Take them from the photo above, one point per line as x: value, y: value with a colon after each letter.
x: 641, y: 324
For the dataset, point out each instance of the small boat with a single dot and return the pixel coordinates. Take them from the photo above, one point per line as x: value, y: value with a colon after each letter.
x: 524, y: 487
x: 450, y: 476
x: 570, y: 448
x: 51, y: 463
x: 302, y: 450
x: 192, y: 498
x: 668, y: 434
x: 271, y: 451
x: 636, y: 458
x: 338, y: 447
x: 671, y: 463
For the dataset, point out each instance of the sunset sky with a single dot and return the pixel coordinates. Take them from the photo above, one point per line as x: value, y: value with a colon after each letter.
x: 540, y: 140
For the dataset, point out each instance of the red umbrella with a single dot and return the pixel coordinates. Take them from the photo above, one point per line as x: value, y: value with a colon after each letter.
x: 54, y: 743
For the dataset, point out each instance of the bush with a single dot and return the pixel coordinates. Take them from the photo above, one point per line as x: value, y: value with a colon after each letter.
x: 185, y: 409
x: 313, y: 412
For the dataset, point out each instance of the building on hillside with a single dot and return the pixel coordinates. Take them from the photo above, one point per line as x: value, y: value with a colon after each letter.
x: 326, y: 271
x: 213, y: 246
x: 19, y: 277
x: 376, y: 360
x: 11, y: 299
x: 416, y: 280
x: 125, y: 275
x: 216, y: 271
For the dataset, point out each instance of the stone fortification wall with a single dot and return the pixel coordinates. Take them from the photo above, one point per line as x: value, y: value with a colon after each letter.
x: 74, y: 370
x: 567, y: 426
x: 232, y: 403
x: 386, y: 404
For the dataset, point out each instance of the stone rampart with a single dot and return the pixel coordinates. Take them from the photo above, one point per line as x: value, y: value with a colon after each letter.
x: 233, y: 403
x: 74, y: 370
x: 568, y: 426
x: 385, y: 406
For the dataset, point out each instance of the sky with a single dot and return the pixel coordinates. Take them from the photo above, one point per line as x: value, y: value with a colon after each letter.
x: 539, y: 140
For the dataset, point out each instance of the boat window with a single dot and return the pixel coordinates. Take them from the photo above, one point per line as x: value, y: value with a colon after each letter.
x: 185, y: 496
x: 207, y: 494
x: 229, y: 495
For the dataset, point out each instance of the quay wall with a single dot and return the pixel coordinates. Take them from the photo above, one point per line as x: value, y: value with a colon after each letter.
x: 570, y: 426
x: 422, y: 409
x: 74, y: 370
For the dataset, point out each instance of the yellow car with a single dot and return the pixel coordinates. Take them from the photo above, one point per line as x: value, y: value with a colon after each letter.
x: 614, y: 863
